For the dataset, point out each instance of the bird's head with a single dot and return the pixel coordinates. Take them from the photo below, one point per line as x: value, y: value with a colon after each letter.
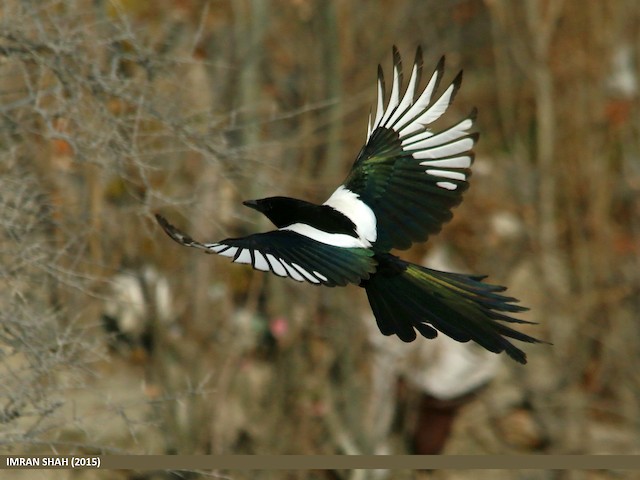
x: 282, y: 211
x: 262, y: 205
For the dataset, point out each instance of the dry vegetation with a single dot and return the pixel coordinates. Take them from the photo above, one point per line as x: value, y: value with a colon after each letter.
x: 112, y: 110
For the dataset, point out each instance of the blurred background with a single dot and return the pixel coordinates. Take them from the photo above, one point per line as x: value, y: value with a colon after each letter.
x: 114, y: 339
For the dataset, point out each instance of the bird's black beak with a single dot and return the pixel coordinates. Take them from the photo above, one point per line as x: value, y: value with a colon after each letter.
x: 251, y: 204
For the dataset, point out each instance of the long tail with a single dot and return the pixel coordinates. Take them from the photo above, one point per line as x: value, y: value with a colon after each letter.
x: 405, y: 297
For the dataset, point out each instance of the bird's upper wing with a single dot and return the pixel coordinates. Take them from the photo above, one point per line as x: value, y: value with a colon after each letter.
x: 407, y: 174
x: 288, y: 254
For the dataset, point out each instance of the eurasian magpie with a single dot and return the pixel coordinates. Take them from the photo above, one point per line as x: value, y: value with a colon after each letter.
x: 401, y: 189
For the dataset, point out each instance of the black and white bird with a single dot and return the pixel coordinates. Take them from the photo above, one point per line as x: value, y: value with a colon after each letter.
x: 401, y: 189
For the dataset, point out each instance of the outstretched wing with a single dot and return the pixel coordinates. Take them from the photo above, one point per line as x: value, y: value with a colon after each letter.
x: 288, y: 254
x: 407, y: 174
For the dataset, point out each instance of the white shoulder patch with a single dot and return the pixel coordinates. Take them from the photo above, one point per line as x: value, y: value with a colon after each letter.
x: 334, y: 239
x: 350, y: 205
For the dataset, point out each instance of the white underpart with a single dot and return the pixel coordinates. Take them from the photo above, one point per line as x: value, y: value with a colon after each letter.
x: 334, y: 239
x: 410, y: 117
x: 350, y: 205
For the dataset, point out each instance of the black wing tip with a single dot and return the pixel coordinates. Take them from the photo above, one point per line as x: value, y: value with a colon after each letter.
x: 166, y: 226
x: 160, y: 219
x: 397, y: 67
x: 419, y: 61
x: 174, y: 233
x: 514, y: 352
x: 397, y: 58
x: 458, y: 78
x: 395, y: 52
x: 418, y: 57
x: 456, y: 83
x: 440, y: 64
x: 517, y: 355
x: 438, y: 72
x: 381, y: 78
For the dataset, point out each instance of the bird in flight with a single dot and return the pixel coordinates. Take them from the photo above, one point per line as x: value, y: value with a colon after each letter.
x: 401, y: 189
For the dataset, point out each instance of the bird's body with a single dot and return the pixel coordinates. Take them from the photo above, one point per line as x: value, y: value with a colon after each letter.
x: 401, y: 189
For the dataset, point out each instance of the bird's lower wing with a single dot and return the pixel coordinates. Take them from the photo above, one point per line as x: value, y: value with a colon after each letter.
x: 288, y: 254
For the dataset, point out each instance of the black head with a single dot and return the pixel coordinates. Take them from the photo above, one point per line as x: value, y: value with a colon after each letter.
x: 264, y: 205
x: 285, y: 211
x: 282, y: 211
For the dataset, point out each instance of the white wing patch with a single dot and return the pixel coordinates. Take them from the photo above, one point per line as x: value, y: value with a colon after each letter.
x: 307, y: 275
x: 411, y: 116
x: 447, y: 185
x: 453, y: 162
x: 276, y: 266
x: 259, y: 262
x: 229, y: 252
x: 446, y: 174
x: 267, y: 262
x: 350, y: 205
x: 320, y: 276
x: 243, y: 257
x: 333, y: 239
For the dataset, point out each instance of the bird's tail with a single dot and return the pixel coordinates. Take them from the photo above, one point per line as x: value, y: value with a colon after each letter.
x: 406, y: 297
